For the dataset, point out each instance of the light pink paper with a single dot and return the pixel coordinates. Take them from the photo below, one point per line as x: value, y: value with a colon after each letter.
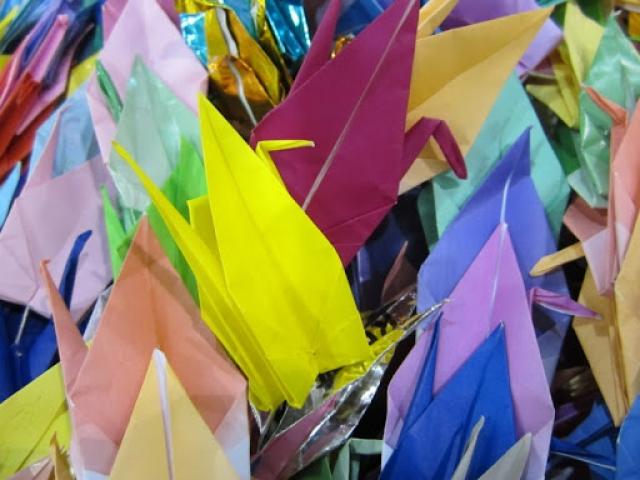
x: 112, y: 9
x: 144, y: 29
x: 43, y: 224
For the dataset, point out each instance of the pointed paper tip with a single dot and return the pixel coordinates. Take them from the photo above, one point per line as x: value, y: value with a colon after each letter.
x: 546, y: 12
x: 540, y: 15
x: 208, y: 112
x: 44, y: 270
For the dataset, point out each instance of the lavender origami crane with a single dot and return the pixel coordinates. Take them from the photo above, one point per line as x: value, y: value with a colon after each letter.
x: 507, y: 196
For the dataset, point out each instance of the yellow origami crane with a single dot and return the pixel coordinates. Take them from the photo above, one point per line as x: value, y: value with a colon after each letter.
x: 612, y: 342
x: 570, y: 62
x: 271, y: 286
x: 28, y: 420
x: 458, y: 74
x: 166, y: 437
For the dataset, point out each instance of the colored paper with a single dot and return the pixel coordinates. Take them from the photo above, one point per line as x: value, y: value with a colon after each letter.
x: 507, y: 195
x: 350, y: 178
x: 510, y: 115
x: 473, y: 64
x: 148, y: 305
x: 166, y: 436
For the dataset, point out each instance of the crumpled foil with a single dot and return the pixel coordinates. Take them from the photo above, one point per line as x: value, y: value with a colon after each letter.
x: 290, y: 439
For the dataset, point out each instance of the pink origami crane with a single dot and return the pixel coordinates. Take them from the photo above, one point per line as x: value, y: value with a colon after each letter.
x: 354, y: 109
x: 44, y: 222
x: 149, y: 308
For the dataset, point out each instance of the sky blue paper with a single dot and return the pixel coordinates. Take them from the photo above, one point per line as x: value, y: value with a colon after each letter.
x: 437, y: 426
x: 193, y: 32
x: 289, y: 25
x: 7, y: 5
x: 510, y: 115
x: 507, y: 193
x: 628, y: 459
x: 7, y: 192
x: 76, y: 142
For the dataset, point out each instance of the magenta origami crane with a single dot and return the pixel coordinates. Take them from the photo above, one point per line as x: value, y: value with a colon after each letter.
x: 354, y: 109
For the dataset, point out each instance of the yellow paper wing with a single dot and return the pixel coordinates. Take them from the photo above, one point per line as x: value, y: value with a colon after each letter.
x: 28, y: 420
x: 218, y: 310
x: 582, y: 36
x: 81, y: 73
x: 628, y: 315
x: 598, y: 338
x: 457, y: 76
x: 554, y: 260
x: 244, y: 354
x: 432, y: 15
x: 166, y: 437
x: 283, y: 274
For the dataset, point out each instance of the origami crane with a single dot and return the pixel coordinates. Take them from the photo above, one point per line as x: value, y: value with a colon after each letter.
x: 491, y: 291
x: 24, y: 104
x: 610, y: 243
x: 432, y: 437
x: 617, y: 81
x: 511, y: 114
x: 251, y: 249
x: 185, y: 183
x: 507, y: 195
x: 570, y: 65
x: 44, y: 222
x: 606, y: 245
x: 166, y: 436
x: 151, y: 120
x: 473, y: 64
x: 349, y: 180
x: 151, y: 293
x: 610, y: 343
